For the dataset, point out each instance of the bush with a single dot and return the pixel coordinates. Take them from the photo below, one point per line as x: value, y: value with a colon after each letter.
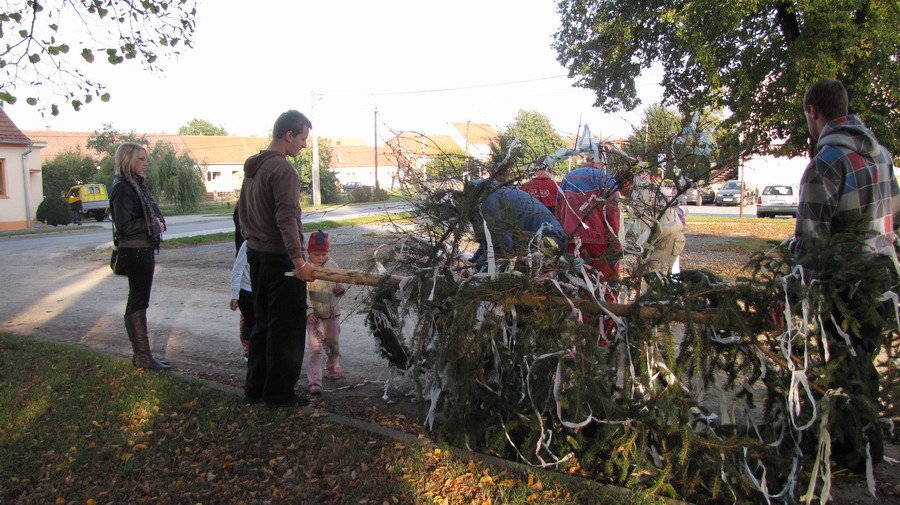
x: 379, y: 195
x: 54, y: 211
x: 361, y: 194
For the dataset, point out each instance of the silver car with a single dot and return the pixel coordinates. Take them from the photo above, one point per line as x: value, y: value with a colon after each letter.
x: 778, y: 200
x: 730, y: 194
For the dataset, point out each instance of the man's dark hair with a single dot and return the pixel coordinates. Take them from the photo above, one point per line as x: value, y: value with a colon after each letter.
x: 829, y: 97
x: 290, y: 121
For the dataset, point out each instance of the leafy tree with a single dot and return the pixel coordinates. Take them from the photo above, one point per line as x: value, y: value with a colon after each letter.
x: 105, y: 141
x: 754, y: 58
x: 201, y: 127
x: 44, y: 44
x: 450, y: 165
x: 536, y: 134
x: 53, y: 210
x: 66, y: 170
x: 174, y: 178
x: 303, y: 164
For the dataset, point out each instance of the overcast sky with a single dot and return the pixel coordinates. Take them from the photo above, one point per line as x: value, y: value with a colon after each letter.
x: 253, y: 60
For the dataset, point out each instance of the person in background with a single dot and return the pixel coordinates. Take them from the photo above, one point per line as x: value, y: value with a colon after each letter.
x: 269, y: 214
x: 243, y: 325
x: 323, y: 317
x: 542, y: 187
x: 849, y: 187
x: 242, y: 297
x: 137, y: 232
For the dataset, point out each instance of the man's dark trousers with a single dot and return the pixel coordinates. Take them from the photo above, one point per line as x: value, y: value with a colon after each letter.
x: 279, y: 333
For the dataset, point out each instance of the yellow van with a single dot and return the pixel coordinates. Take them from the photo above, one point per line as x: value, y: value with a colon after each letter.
x: 88, y: 200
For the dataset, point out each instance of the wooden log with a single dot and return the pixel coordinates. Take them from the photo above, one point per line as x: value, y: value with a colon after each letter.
x: 527, y: 299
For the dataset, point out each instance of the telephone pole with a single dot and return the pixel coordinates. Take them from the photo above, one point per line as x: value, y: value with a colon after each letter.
x: 314, y: 170
x: 377, y: 186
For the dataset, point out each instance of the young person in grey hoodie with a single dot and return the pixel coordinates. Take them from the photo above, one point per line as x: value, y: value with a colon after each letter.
x: 269, y: 213
x: 849, y: 189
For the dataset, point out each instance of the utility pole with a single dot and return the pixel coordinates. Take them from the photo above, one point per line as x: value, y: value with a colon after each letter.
x: 314, y: 170
x: 468, y: 122
x: 377, y: 186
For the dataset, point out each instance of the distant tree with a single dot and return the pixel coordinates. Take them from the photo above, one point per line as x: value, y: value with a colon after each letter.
x: 66, y: 170
x: 536, y: 135
x: 756, y: 59
x: 452, y: 164
x: 174, y: 178
x: 44, y: 42
x: 303, y: 164
x: 201, y: 127
x: 105, y: 141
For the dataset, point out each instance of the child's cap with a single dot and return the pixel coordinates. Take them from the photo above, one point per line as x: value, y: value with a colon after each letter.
x: 318, y: 242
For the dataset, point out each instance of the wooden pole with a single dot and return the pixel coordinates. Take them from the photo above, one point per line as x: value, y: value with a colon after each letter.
x: 527, y: 299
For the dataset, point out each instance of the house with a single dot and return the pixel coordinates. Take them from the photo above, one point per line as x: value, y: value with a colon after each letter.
x: 221, y: 158
x: 476, y: 138
x: 353, y: 161
x: 21, y: 186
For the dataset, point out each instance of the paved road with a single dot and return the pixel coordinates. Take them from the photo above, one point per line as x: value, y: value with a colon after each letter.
x: 181, y: 226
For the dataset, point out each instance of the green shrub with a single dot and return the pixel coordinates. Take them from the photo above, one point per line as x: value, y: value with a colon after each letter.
x: 54, y: 211
x: 361, y: 194
x: 379, y: 195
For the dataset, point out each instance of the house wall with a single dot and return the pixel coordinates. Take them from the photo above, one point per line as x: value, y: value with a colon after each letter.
x: 12, y: 201
x: 387, y: 176
x: 223, y: 178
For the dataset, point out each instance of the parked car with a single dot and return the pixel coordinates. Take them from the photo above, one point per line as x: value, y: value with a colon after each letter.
x: 730, y: 194
x: 88, y: 200
x: 696, y: 196
x: 778, y: 200
x: 350, y: 186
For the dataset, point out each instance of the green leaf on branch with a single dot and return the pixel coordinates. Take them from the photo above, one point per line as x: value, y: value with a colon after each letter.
x: 34, y: 58
x: 88, y: 55
x: 54, y: 110
x: 104, y: 97
x: 76, y: 104
x: 6, y: 97
x: 31, y: 100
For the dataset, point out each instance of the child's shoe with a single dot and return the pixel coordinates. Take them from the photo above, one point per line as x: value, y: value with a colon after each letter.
x: 314, y: 389
x: 334, y: 376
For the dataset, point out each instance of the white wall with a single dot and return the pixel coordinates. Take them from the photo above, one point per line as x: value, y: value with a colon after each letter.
x: 12, y: 206
x: 366, y: 175
x: 229, y: 177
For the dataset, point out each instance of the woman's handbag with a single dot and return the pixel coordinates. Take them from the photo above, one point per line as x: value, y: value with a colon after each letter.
x: 116, y: 263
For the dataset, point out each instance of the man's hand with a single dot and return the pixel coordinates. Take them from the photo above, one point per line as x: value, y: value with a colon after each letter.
x: 233, y: 304
x: 304, y: 270
x: 162, y: 225
x: 338, y: 289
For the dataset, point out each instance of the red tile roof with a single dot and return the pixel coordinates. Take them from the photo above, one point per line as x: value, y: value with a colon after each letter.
x: 478, y: 133
x: 10, y: 133
x: 211, y: 150
x: 361, y: 156
x: 417, y: 144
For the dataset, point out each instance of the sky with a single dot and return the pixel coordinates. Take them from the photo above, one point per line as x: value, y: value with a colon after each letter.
x: 253, y: 60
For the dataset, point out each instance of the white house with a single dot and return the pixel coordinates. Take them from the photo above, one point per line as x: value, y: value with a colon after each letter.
x: 353, y: 161
x: 21, y: 186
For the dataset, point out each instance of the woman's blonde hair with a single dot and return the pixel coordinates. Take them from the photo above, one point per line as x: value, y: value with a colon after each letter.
x: 126, y: 155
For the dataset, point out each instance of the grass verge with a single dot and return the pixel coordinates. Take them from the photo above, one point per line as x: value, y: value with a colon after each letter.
x: 79, y: 427
x: 48, y: 229
x: 214, y: 238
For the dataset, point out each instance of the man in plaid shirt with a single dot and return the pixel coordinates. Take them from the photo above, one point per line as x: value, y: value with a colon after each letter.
x: 848, y: 187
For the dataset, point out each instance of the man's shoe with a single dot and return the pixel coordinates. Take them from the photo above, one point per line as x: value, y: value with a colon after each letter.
x: 252, y: 400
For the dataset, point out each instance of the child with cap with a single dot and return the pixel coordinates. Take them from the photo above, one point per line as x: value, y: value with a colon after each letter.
x: 323, y: 317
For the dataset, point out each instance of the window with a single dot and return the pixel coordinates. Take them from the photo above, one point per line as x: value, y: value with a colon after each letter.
x: 3, y: 178
x: 778, y: 190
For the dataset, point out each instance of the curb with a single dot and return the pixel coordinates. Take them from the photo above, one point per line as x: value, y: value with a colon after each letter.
x: 519, y: 469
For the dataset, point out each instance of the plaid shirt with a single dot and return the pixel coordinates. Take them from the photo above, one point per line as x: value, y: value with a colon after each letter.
x: 851, y: 177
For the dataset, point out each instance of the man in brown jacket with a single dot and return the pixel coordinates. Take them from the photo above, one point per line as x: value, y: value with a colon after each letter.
x: 269, y: 212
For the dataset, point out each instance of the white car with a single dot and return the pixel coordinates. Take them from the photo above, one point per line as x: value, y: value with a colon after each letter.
x: 778, y: 200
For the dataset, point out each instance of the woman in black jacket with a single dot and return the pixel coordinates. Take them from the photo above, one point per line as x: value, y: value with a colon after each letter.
x: 137, y: 227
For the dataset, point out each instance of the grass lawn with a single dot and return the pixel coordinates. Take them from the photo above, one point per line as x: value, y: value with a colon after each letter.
x: 49, y: 229
x: 77, y: 427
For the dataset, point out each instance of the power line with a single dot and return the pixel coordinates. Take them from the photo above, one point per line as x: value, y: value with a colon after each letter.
x: 442, y: 90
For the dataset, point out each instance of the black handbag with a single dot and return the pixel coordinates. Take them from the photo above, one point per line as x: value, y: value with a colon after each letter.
x: 116, y: 263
